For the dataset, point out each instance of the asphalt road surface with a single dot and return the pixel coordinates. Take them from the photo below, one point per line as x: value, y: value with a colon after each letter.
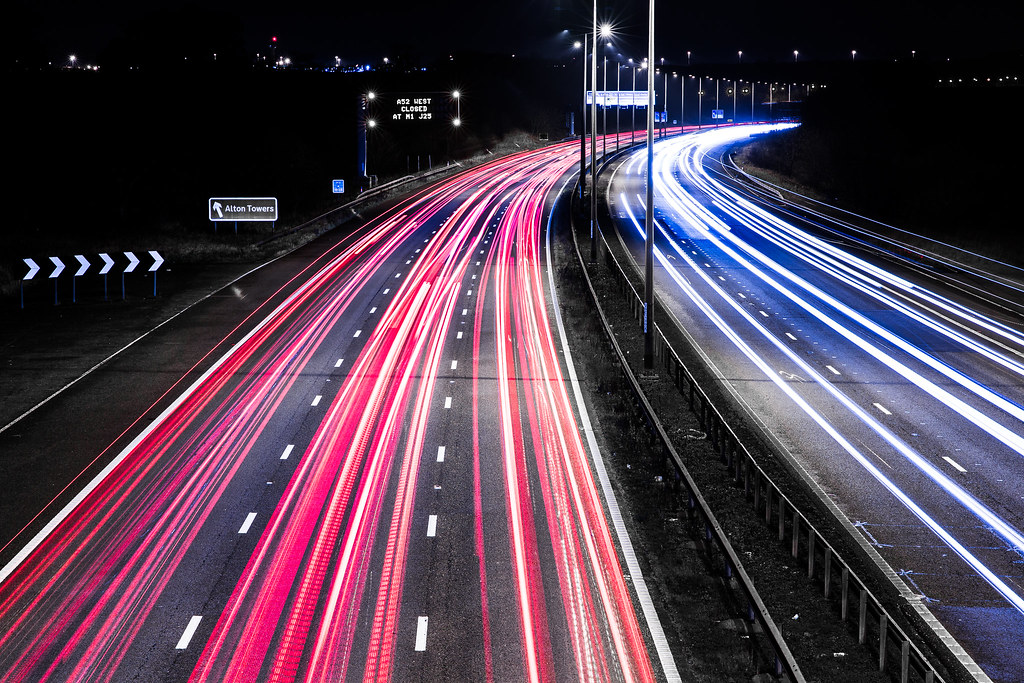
x: 896, y: 388
x: 378, y: 475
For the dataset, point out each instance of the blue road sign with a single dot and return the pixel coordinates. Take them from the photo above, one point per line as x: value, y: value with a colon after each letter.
x: 338, y: 186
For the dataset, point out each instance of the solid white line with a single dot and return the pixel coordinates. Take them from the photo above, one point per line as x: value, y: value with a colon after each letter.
x: 431, y: 526
x: 316, y: 400
x: 447, y: 402
x: 421, y: 634
x: 190, y: 631
x: 954, y: 463
x: 287, y: 451
x: 440, y: 453
x: 882, y: 408
x: 127, y: 346
x: 643, y: 595
x: 249, y: 518
x: 153, y: 425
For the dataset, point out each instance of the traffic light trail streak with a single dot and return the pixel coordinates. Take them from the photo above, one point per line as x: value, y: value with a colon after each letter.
x: 322, y: 595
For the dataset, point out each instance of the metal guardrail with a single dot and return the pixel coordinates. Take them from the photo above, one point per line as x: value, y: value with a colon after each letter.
x: 876, y: 626
x: 784, y: 662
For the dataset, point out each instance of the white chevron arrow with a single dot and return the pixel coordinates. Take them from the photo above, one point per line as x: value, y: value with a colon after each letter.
x: 33, y: 268
x: 134, y: 261
x: 157, y: 260
x: 85, y: 265
x: 58, y: 266
x: 108, y: 263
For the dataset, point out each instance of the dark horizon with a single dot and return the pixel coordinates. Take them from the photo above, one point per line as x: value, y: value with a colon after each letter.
x: 317, y: 33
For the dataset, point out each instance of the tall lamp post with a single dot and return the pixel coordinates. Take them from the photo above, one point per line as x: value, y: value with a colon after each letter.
x: 649, y: 219
x: 583, y: 121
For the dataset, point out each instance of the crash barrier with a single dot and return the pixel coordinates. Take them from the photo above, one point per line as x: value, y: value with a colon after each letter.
x: 713, y: 537
x: 876, y: 626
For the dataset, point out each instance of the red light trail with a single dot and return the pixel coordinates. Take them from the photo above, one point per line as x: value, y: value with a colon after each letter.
x: 323, y: 594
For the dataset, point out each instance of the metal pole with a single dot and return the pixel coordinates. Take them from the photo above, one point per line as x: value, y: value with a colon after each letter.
x: 734, y: 102
x: 604, y: 113
x: 593, y: 146
x: 700, y: 100
x: 583, y: 124
x: 649, y: 220
x: 632, y: 113
x: 618, y: 104
x: 682, y: 101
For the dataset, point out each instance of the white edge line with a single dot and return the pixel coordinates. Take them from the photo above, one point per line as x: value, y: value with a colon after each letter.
x: 127, y: 346
x: 36, y: 540
x: 668, y: 664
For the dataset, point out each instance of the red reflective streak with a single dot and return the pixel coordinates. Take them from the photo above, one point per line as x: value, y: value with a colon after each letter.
x: 327, y: 577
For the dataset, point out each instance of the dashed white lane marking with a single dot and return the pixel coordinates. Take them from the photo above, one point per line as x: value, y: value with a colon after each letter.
x: 741, y: 295
x: 447, y: 402
x: 287, y: 451
x: 373, y: 310
x: 763, y: 313
x: 421, y: 634
x: 440, y: 453
x: 465, y: 311
x: 459, y: 335
x: 882, y: 408
x: 358, y: 332
x: 190, y: 631
x: 455, y: 364
x: 791, y: 336
x: 431, y: 526
x: 316, y: 401
x: 954, y: 463
x: 387, y: 290
x: 249, y: 518
x: 338, y: 364
x: 398, y: 275
x: 469, y: 293
x: 833, y: 370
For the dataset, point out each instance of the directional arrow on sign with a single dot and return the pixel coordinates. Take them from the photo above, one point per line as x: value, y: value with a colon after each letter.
x: 33, y: 268
x: 58, y: 266
x: 157, y: 260
x: 219, y: 209
x: 84, y: 263
x: 108, y: 263
x: 134, y: 261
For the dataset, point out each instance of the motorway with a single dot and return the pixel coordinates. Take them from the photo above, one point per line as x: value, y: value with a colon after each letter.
x: 382, y: 478
x: 894, y: 387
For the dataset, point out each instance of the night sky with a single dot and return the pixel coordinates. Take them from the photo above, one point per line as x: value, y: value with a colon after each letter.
x: 368, y: 31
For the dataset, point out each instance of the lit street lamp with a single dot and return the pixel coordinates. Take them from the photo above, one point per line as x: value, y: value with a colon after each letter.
x: 796, y: 54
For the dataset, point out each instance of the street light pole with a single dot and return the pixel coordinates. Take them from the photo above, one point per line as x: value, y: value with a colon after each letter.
x: 604, y: 112
x: 618, y: 104
x: 632, y: 111
x: 593, y: 145
x: 649, y: 219
x: 583, y: 124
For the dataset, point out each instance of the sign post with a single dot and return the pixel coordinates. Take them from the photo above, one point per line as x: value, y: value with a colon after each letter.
x: 58, y: 268
x: 242, y: 209
x: 157, y: 261
x: 83, y: 266
x: 108, y: 263
x: 133, y: 261
x: 33, y: 268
